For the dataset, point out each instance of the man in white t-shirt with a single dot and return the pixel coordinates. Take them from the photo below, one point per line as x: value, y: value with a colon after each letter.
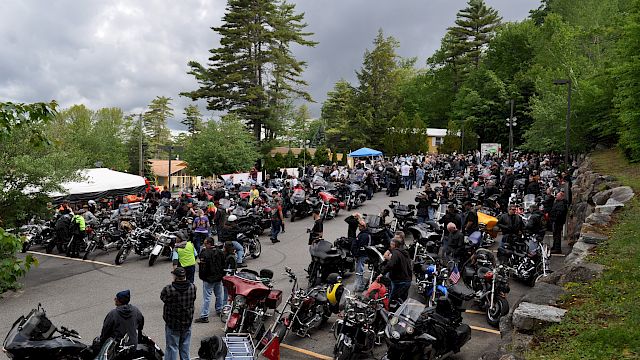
x: 405, y: 169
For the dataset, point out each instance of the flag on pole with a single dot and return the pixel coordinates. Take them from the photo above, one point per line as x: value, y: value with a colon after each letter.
x: 455, y: 275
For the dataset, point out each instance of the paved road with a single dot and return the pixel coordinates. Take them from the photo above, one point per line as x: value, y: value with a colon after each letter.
x: 78, y: 294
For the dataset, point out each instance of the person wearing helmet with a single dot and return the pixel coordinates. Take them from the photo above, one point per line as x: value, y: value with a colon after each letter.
x: 93, y: 207
x: 229, y: 233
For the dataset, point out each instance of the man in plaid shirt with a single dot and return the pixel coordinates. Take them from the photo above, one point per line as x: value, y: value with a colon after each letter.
x: 178, y: 298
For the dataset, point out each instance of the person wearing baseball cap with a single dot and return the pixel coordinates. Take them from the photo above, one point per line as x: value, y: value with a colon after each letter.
x: 178, y: 298
x: 125, y: 319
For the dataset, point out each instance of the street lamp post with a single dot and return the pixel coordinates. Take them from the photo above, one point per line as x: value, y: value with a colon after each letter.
x: 568, y: 125
x: 511, y: 122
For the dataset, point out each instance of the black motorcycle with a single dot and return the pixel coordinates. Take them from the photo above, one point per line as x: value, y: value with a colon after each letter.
x: 415, y: 331
x: 528, y: 259
x: 360, y: 328
x: 356, y: 195
x: 105, y: 237
x: 301, y: 206
x: 325, y: 260
x: 141, y: 241
x: 35, y: 233
x: 427, y: 240
x: 35, y: 337
x: 303, y: 311
x: 405, y: 214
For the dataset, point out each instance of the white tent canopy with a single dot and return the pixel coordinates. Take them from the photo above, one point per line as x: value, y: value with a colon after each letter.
x: 99, y: 183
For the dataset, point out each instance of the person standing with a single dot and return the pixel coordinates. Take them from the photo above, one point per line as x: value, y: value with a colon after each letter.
x: 276, y: 217
x: 399, y: 269
x: 405, y: 170
x: 318, y: 227
x: 419, y: 177
x: 211, y: 265
x: 253, y: 194
x: 184, y: 255
x: 125, y: 319
x: 178, y: 298
x: 357, y: 250
x: 558, y: 217
x: 200, y: 229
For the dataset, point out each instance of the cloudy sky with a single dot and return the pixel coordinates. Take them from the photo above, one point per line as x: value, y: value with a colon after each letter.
x: 110, y: 53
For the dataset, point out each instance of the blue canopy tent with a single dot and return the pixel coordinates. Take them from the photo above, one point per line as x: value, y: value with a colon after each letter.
x: 365, y: 152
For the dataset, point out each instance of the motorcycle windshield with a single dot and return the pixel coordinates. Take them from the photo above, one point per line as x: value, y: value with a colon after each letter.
x: 410, y: 310
x: 373, y: 221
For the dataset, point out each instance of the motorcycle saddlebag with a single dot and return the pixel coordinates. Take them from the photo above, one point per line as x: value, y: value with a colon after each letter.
x: 274, y: 299
x: 463, y: 334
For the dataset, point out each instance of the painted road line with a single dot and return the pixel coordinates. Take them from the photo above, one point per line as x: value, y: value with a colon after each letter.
x: 475, y: 312
x: 558, y: 255
x: 491, y: 331
x: 74, y: 259
x: 307, y: 352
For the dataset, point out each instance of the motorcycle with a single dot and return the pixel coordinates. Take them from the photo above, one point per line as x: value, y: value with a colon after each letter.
x: 329, y: 206
x: 427, y: 241
x: 307, y: 309
x: 35, y: 234
x: 301, y: 206
x: 141, y: 241
x: 251, y: 243
x: 405, y: 214
x: 418, y: 332
x: 490, y: 283
x: 360, y: 328
x: 164, y: 244
x: 356, y: 195
x: 529, y: 260
x: 250, y: 296
x: 104, y: 237
x: 35, y: 337
x: 325, y: 260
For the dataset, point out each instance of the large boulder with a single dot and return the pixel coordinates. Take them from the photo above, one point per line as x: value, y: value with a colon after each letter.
x: 609, y: 207
x: 601, y: 197
x: 578, y: 253
x: 622, y: 194
x: 544, y: 294
x: 592, y: 237
x: 598, y: 219
x: 529, y: 317
x: 581, y: 273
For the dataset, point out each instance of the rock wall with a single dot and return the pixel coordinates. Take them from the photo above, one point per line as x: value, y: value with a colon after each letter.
x: 596, y: 198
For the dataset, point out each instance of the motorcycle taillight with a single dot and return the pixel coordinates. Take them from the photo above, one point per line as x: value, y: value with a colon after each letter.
x: 488, y: 275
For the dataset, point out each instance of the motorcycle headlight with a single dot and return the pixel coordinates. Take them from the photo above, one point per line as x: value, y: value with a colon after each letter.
x: 360, y: 317
x: 351, y: 314
x: 393, y: 321
x: 395, y: 335
x: 409, y: 329
x: 296, y: 301
x: 240, y: 300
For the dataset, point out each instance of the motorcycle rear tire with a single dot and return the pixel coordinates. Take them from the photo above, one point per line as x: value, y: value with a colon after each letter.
x: 152, y: 259
x: 314, y: 274
x: 121, y: 256
x: 538, y: 274
x: 499, y: 309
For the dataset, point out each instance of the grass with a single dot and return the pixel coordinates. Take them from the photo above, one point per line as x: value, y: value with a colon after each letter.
x: 603, y: 318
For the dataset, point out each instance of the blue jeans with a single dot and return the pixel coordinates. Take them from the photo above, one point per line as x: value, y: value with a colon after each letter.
x: 432, y: 213
x: 276, y: 225
x: 419, y: 182
x: 421, y: 219
x: 407, y: 182
x: 177, y: 343
x: 207, y: 289
x: 360, y: 283
x: 239, y: 252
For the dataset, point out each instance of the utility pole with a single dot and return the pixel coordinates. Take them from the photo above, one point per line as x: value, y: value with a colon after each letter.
x: 140, y: 166
x: 511, y: 122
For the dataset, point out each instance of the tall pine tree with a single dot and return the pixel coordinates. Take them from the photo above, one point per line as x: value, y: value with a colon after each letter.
x: 253, y: 68
x: 193, y: 119
x: 155, y: 122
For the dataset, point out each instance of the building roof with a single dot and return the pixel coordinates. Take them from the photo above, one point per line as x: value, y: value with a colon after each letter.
x: 439, y: 132
x: 161, y: 167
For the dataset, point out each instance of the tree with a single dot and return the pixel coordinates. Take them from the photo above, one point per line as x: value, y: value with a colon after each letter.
x: 321, y: 157
x: 30, y: 168
x: 253, y: 69
x: 299, y: 127
x: 474, y: 28
x: 155, y: 122
x: 338, y: 112
x: 193, y: 119
x: 290, y: 159
x: 220, y: 148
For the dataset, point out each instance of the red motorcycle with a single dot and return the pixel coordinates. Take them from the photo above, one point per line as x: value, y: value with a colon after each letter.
x: 330, y: 205
x: 250, y: 296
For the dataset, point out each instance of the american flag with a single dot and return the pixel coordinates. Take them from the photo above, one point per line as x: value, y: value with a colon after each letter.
x: 455, y: 275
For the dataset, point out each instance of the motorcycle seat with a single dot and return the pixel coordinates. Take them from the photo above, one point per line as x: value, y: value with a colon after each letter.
x: 318, y: 294
x: 323, y: 250
x: 469, y: 272
x: 461, y: 291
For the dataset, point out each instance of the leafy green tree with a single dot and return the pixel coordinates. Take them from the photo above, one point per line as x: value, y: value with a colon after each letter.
x: 192, y: 119
x: 290, y: 159
x: 220, y: 148
x: 334, y: 157
x: 475, y: 25
x: 256, y: 37
x: 278, y: 161
x: 321, y: 157
x: 299, y: 127
x: 626, y: 97
x: 155, y: 123
x: 30, y: 168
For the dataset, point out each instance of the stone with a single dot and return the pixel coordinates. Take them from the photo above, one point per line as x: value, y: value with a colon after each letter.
x: 529, y: 317
x: 578, y: 253
x: 581, y: 273
x: 544, y: 294
x: 622, y: 194
x: 588, y: 228
x: 609, y: 207
x: 593, y: 237
x: 601, y: 197
x: 598, y: 219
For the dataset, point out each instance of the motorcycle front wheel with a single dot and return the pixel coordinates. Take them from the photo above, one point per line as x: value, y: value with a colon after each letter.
x: 256, y: 248
x: 152, y: 259
x: 122, y: 254
x: 314, y: 274
x: 25, y: 246
x: 343, y: 352
x: 293, y: 215
x: 90, y: 249
x: 494, y: 313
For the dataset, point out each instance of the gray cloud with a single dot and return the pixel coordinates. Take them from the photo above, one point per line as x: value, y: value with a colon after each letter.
x: 125, y: 53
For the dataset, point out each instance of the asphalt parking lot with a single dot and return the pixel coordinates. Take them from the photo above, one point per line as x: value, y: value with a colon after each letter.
x: 78, y: 294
